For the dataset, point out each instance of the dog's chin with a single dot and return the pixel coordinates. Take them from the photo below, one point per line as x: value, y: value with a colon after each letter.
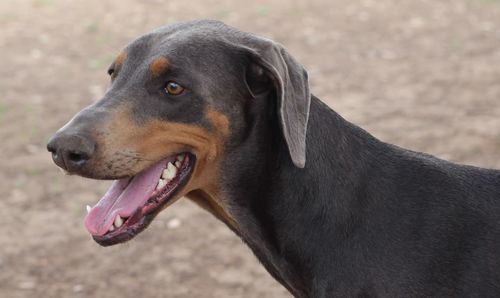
x: 131, y: 203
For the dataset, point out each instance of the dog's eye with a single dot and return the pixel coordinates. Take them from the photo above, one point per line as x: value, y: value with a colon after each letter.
x: 111, y: 71
x: 173, y: 88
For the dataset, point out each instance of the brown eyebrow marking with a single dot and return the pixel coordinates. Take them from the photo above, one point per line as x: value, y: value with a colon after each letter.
x: 121, y: 58
x: 159, y: 66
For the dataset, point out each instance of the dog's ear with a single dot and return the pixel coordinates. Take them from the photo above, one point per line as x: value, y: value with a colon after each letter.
x: 271, y: 63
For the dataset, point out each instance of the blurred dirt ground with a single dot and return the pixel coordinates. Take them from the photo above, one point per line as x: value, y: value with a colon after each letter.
x: 421, y: 74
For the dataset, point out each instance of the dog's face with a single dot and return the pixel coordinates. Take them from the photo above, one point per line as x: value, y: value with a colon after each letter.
x: 165, y: 97
x: 177, y: 101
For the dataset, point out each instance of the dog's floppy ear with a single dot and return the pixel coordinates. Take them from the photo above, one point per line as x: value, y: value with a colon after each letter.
x: 291, y: 84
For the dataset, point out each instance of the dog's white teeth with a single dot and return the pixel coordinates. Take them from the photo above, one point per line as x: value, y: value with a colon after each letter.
x: 88, y: 208
x: 112, y: 228
x: 180, y: 157
x: 169, y: 172
x: 118, y: 221
x: 161, y: 184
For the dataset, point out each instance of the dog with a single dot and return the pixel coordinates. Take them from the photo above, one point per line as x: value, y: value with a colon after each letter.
x: 225, y: 118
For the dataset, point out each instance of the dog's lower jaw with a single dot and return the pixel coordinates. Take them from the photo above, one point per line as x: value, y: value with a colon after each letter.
x: 131, y: 203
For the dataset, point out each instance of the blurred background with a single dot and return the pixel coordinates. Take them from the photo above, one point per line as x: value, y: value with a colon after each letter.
x: 421, y: 74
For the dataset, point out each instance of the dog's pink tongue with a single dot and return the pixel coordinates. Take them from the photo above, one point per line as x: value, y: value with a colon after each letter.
x: 123, y: 198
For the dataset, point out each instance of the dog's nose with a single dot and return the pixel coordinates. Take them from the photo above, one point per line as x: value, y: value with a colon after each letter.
x: 71, y: 151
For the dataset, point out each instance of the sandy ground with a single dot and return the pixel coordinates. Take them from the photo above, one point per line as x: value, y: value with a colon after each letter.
x: 421, y: 74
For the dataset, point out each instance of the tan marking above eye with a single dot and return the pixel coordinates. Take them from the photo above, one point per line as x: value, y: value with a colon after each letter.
x: 159, y: 66
x: 121, y: 58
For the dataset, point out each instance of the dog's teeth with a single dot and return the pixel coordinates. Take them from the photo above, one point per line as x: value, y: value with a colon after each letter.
x: 161, y: 184
x: 88, y: 208
x: 180, y: 157
x: 118, y: 221
x: 112, y: 228
x: 178, y: 164
x: 169, y: 172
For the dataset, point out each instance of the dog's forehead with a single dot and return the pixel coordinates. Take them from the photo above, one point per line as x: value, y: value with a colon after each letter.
x: 198, y: 55
x: 190, y: 41
x: 187, y: 40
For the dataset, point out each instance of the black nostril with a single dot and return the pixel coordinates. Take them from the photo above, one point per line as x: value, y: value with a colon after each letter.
x: 77, y: 158
x: 77, y: 152
x: 71, y: 151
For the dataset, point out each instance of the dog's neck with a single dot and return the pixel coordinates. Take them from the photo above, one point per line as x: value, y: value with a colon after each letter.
x: 276, y: 204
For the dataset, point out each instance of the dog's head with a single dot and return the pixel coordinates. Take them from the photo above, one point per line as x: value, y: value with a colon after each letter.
x: 178, y: 101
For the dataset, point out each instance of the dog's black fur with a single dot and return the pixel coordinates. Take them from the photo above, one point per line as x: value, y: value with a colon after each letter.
x: 360, y: 218
x: 369, y: 219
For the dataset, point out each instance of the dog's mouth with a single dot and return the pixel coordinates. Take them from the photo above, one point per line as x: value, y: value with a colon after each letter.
x: 131, y: 203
